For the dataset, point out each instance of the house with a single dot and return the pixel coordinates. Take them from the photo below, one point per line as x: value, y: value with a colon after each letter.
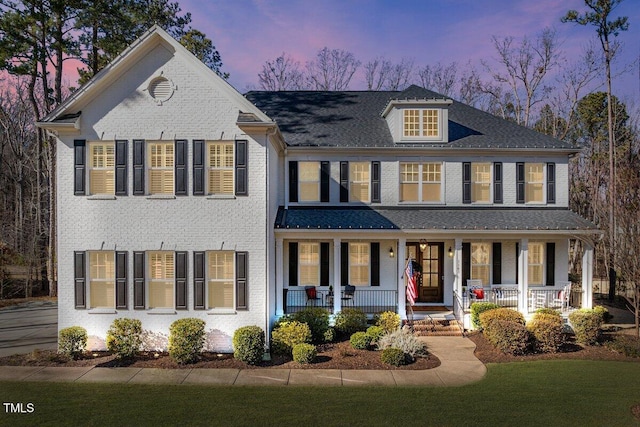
x: 179, y: 197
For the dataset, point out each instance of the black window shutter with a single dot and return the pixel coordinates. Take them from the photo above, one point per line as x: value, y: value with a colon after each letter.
x: 138, y: 167
x: 517, y: 263
x: 121, y: 167
x: 121, y: 280
x: 325, y: 179
x: 551, y: 263
x: 466, y: 182
x: 80, y: 279
x: 375, y: 182
x: 324, y: 264
x: 181, y: 175
x: 242, y: 162
x: 344, y: 181
x: 497, y: 263
x: 198, y: 280
x: 181, y: 280
x: 466, y: 263
x: 344, y: 263
x: 293, y: 181
x: 138, y: 280
x: 293, y: 263
x: 519, y: 182
x: 497, y: 182
x: 242, y: 269
x: 198, y: 167
x: 375, y: 263
x: 551, y: 182
x: 79, y: 166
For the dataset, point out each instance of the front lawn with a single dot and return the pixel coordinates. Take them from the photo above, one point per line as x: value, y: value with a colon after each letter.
x: 557, y: 392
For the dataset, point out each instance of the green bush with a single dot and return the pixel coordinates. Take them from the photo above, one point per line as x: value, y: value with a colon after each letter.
x: 393, y: 356
x: 304, y: 353
x: 350, y: 320
x: 546, y: 329
x: 586, y: 324
x: 547, y: 310
x: 625, y: 344
x: 508, y: 336
x: 288, y: 334
x: 72, y: 341
x: 375, y: 332
x: 360, y: 340
x: 478, y: 308
x: 511, y: 315
x: 330, y: 335
x: 318, y: 320
x: 405, y: 341
x: 186, y: 339
x: 248, y: 344
x: 603, y: 312
x: 124, y: 337
x: 389, y: 321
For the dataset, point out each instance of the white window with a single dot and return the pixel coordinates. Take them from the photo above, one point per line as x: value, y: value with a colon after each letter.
x: 102, y: 160
x: 420, y: 182
x: 309, y: 181
x: 161, y: 167
x: 534, y: 182
x: 220, y: 164
x: 359, y: 176
x: 536, y: 263
x: 359, y: 264
x: 423, y: 123
x: 220, y: 279
x: 481, y: 182
x: 102, y: 293
x: 161, y: 279
x: 309, y: 264
x: 481, y: 262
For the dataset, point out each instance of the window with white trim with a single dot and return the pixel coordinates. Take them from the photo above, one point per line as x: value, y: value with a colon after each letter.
x: 420, y: 182
x: 534, y: 182
x: 220, y: 279
x: 536, y: 263
x: 309, y: 263
x: 102, y: 160
x: 309, y: 181
x: 161, y: 167
x: 161, y: 279
x: 102, y: 279
x: 359, y: 260
x: 481, y: 262
x: 359, y: 182
x: 220, y: 165
x: 481, y: 182
x: 421, y: 123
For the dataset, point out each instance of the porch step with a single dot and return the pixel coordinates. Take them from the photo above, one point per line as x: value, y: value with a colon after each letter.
x: 437, y: 327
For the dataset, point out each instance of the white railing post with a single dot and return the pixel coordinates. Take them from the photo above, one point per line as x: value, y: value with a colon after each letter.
x: 337, y: 288
x: 280, y: 303
x: 402, y: 254
x: 587, y: 276
x: 523, y: 276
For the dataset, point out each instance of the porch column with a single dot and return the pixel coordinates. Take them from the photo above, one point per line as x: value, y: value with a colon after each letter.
x: 337, y: 286
x: 587, y: 275
x: 280, y: 303
x: 523, y: 276
x: 457, y: 267
x: 401, y: 257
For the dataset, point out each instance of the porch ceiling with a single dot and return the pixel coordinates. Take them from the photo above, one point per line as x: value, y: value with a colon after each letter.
x: 432, y: 218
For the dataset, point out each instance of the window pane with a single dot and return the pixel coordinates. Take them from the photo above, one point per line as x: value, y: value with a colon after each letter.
x: 481, y: 182
x: 536, y: 263
x: 220, y: 294
x: 534, y: 174
x: 161, y: 265
x: 359, y: 182
x: 220, y: 164
x: 430, y: 122
x: 161, y: 168
x: 221, y: 265
x: 102, y: 294
x: 102, y: 265
x: 101, y: 168
x: 411, y: 123
x: 160, y: 294
x: 480, y: 262
x: 359, y: 264
x: 309, y: 262
x: 409, y: 192
x: 431, y: 192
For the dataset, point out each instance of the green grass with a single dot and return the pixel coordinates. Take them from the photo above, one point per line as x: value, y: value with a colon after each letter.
x: 551, y: 393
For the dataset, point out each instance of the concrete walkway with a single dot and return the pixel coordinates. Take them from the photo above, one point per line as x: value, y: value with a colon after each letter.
x: 458, y: 367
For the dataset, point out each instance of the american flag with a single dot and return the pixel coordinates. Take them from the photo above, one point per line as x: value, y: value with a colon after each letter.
x: 412, y: 291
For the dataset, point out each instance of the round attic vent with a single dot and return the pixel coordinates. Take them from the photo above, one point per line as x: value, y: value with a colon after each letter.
x: 161, y: 89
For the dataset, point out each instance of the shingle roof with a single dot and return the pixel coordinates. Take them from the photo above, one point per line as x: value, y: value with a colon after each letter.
x: 435, y: 218
x: 354, y: 119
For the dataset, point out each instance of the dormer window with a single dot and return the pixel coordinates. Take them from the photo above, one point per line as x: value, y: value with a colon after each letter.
x: 421, y: 123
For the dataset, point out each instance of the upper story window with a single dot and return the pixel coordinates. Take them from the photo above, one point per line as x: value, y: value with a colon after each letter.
x: 102, y: 277
x: 161, y: 167
x: 102, y: 161
x: 535, y: 183
x: 220, y: 165
x: 481, y: 182
x: 359, y: 182
x: 421, y: 182
x: 421, y: 123
x: 220, y: 279
x: 161, y: 279
x: 309, y: 181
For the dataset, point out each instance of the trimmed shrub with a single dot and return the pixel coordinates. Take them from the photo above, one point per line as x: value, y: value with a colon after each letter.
x: 248, y: 344
x: 360, y: 340
x: 393, y: 356
x: 304, y: 353
x: 546, y: 329
x: 72, y: 341
x: 375, y: 332
x: 405, y: 341
x: 389, y: 321
x: 547, y: 310
x: 330, y: 335
x: 124, y: 337
x: 288, y: 334
x: 625, y: 344
x: 186, y: 339
x: 586, y: 324
x: 350, y: 320
x: 511, y: 315
x: 478, y: 308
x: 318, y: 320
x: 603, y: 312
x: 508, y: 336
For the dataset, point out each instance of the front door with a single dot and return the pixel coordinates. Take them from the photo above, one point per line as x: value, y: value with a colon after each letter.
x: 431, y: 281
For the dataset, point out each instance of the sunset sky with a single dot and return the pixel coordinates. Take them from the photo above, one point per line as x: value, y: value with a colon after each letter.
x: 249, y: 32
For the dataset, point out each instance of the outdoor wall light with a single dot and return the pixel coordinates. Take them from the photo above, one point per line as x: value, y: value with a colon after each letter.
x: 391, y: 254
x: 423, y: 245
x: 450, y: 252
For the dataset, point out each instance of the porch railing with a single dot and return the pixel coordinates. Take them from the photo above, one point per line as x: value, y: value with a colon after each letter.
x: 553, y: 298
x: 503, y: 296
x: 371, y: 301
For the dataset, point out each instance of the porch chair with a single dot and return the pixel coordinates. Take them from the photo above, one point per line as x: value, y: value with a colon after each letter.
x: 348, y: 294
x: 312, y: 295
x: 561, y: 298
x: 475, y: 290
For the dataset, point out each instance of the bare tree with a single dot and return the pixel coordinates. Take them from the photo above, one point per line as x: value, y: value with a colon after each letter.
x: 400, y: 75
x: 332, y: 69
x: 376, y: 73
x: 439, y: 78
x: 282, y: 73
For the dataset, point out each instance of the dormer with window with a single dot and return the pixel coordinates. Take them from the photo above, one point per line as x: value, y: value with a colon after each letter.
x: 418, y: 120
